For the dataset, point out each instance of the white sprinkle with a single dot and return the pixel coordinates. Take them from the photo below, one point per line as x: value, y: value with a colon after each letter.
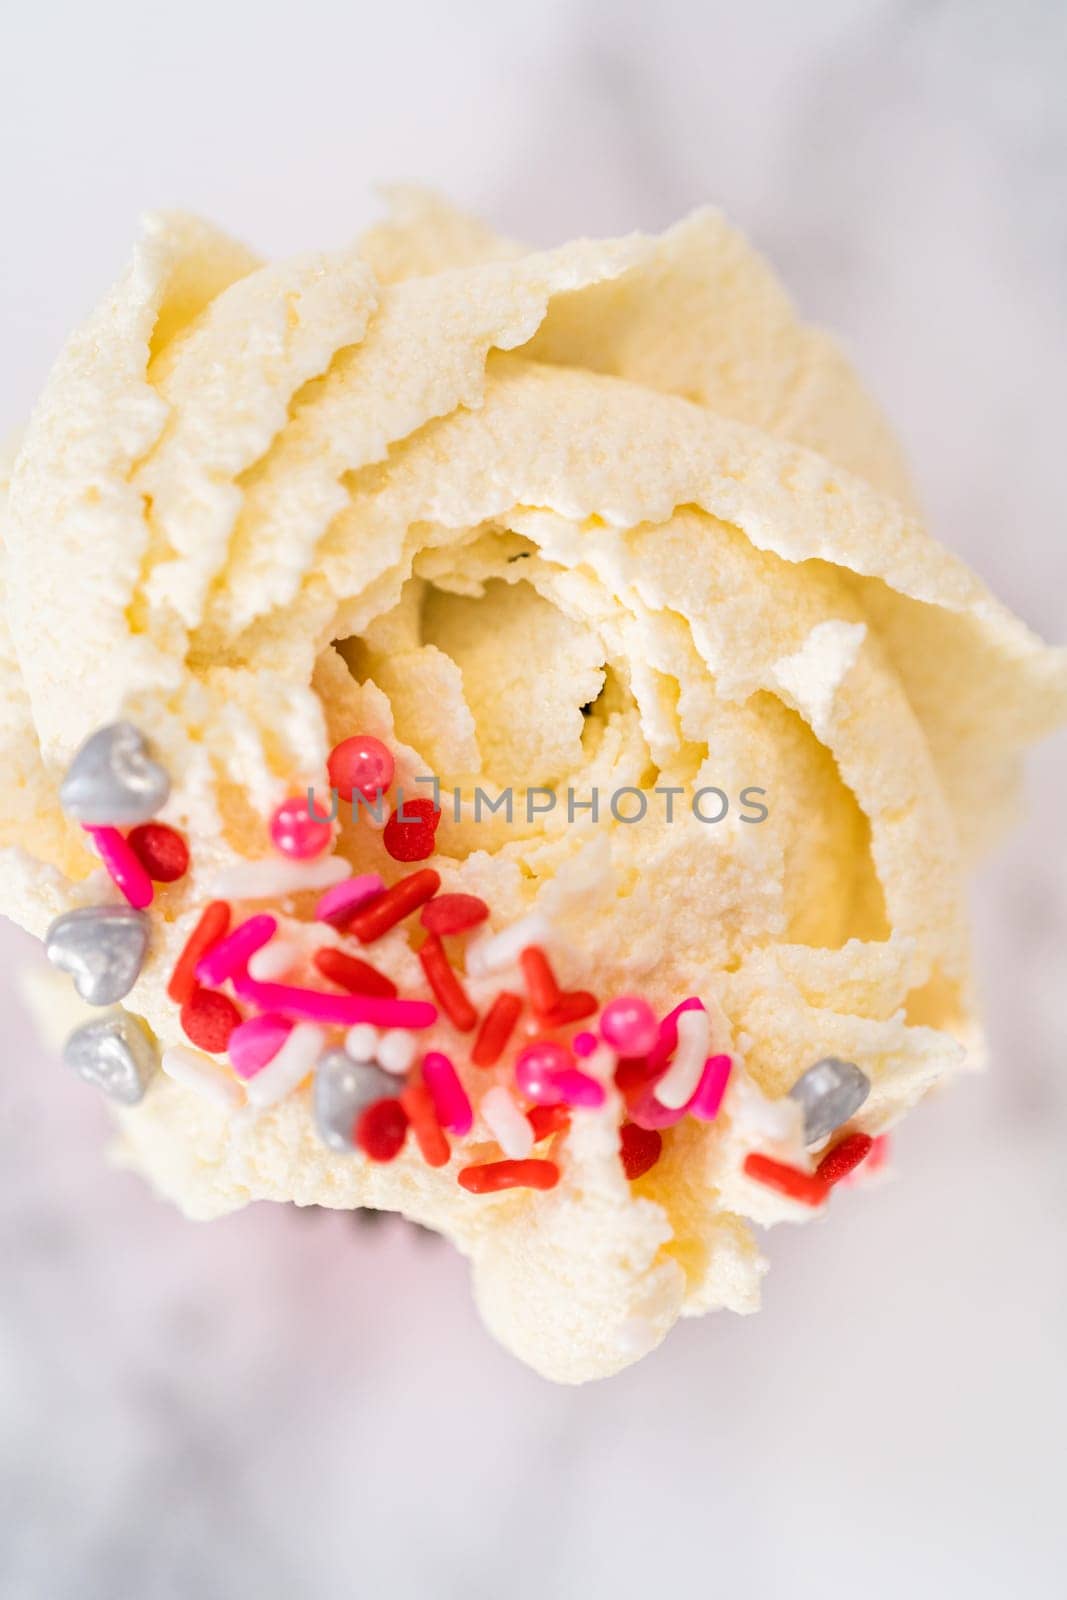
x: 397, y: 1050
x: 197, y: 1071
x: 274, y: 961
x: 679, y: 1083
x: 509, y: 1126
x: 503, y: 949
x: 289, y: 1067
x: 361, y: 1042
x: 270, y: 879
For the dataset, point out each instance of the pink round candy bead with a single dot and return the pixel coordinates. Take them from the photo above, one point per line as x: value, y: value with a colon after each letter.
x: 362, y: 762
x: 296, y: 833
x: 629, y: 1025
x: 537, y: 1068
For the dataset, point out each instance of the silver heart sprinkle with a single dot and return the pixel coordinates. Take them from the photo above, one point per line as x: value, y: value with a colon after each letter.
x: 343, y: 1088
x: 113, y: 779
x: 115, y: 1054
x: 829, y: 1093
x: 102, y: 947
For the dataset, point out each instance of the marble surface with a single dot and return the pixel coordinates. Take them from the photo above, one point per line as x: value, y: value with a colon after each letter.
x: 286, y: 1403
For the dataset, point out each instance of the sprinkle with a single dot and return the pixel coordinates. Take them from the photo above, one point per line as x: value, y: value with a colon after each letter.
x: 295, y: 832
x: 571, y: 1006
x: 123, y: 867
x: 647, y: 1111
x: 682, y: 1078
x: 449, y: 1096
x: 162, y: 851
x: 231, y: 954
x: 360, y: 763
x: 830, y: 1092
x: 541, y: 985
x: 343, y: 1011
x: 508, y: 1125
x: 257, y: 1041
x: 411, y: 836
x: 406, y: 895
x: 350, y: 973
x: 339, y: 903
x: 397, y: 1050
x: 273, y: 880
x: 275, y: 960
x: 289, y: 1067
x: 803, y: 1186
x: 341, y: 1090
x: 361, y: 1042
x: 578, y: 1089
x: 214, y: 920
x: 382, y: 1129
x: 538, y: 1067
x: 448, y: 991
x: 453, y: 913
x: 102, y: 947
x: 844, y: 1157
x: 417, y: 1102
x: 209, y: 1018
x: 629, y: 1025
x: 491, y: 1176
x: 711, y: 1088
x: 199, y: 1072
x: 113, y: 779
x: 639, y: 1149
x: 496, y: 1029
x: 505, y: 948
x: 584, y: 1044
x: 547, y: 1120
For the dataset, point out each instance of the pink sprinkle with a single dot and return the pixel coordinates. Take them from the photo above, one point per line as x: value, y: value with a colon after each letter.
x: 667, y: 1043
x: 648, y: 1113
x: 296, y: 833
x: 231, y: 954
x: 257, y: 1041
x: 583, y: 1044
x: 337, y: 904
x: 629, y: 1025
x: 123, y: 867
x: 712, y: 1086
x: 538, y: 1068
x: 578, y: 1088
x: 340, y: 1010
x: 448, y: 1094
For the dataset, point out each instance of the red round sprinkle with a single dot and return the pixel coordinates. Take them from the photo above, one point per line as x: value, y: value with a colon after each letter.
x: 411, y: 837
x: 791, y: 1181
x: 162, y: 852
x: 417, y: 1101
x: 844, y: 1157
x: 350, y: 973
x: 639, y: 1149
x: 362, y: 762
x: 494, y: 1175
x: 453, y: 913
x: 213, y: 923
x: 208, y: 1019
x: 381, y: 1129
x: 547, y: 1120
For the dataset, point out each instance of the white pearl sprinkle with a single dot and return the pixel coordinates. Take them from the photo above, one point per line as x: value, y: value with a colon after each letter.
x: 361, y: 1042
x: 197, y: 1071
x: 397, y: 1050
x: 509, y: 1126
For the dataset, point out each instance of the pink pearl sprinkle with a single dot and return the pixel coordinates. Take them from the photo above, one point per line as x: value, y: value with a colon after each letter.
x: 339, y: 1010
x: 629, y: 1025
x: 339, y: 902
x: 576, y: 1088
x: 296, y: 833
x: 538, y: 1068
x: 124, y: 869
x: 231, y: 954
x: 583, y: 1044
x: 257, y: 1041
x: 711, y: 1088
x: 449, y: 1097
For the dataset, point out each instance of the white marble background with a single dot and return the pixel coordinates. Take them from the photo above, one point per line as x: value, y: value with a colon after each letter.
x: 284, y: 1404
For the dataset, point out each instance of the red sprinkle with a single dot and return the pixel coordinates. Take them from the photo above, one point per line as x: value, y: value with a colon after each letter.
x: 493, y: 1175
x: 417, y: 1101
x: 806, y: 1187
x: 162, y: 852
x: 411, y: 837
x: 844, y: 1157
x: 541, y: 983
x: 213, y: 924
x: 453, y: 913
x: 639, y: 1149
x: 448, y: 991
x: 350, y: 973
x: 496, y: 1029
x: 571, y: 1007
x: 547, y: 1120
x: 381, y: 1129
x: 633, y: 1075
x: 208, y: 1019
x: 406, y: 895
